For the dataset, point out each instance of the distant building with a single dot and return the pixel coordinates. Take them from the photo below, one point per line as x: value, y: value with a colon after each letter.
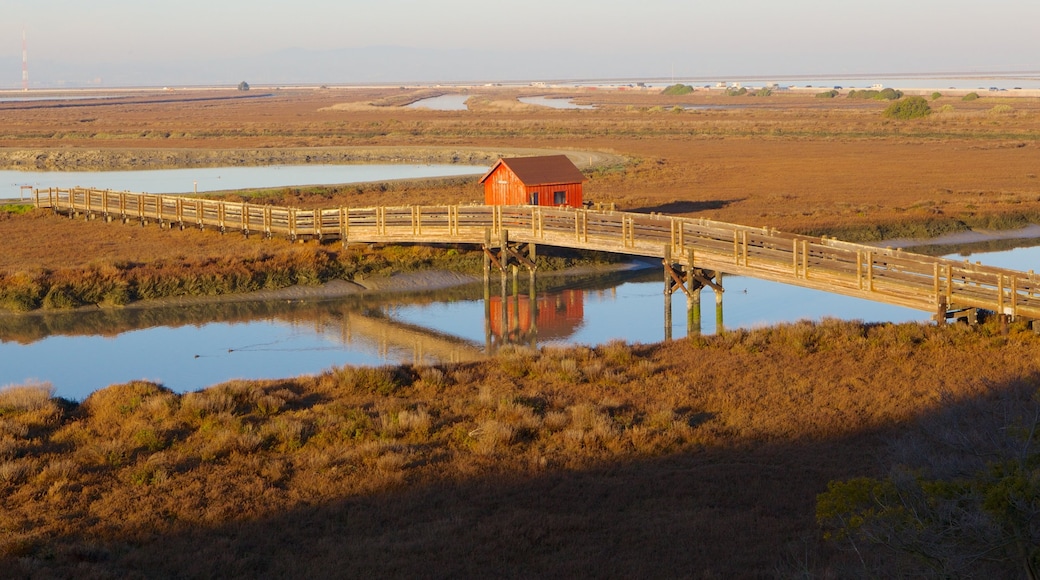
x: 550, y: 180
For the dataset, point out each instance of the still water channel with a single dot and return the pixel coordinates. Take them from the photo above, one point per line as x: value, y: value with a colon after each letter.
x: 204, y: 179
x: 192, y: 347
x: 442, y: 103
x: 188, y: 348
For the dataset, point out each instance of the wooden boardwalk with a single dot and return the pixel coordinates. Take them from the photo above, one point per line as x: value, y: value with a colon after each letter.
x: 698, y: 249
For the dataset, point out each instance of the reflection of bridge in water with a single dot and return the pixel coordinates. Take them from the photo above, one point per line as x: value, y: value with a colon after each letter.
x: 364, y: 323
x: 389, y: 336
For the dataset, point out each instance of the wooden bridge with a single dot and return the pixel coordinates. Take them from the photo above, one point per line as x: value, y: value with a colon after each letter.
x: 695, y: 252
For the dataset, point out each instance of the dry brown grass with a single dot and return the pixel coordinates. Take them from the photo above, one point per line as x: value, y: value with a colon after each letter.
x: 788, y: 161
x: 692, y: 458
x: 698, y: 457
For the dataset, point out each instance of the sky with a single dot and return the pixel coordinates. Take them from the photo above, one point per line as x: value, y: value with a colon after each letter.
x: 113, y: 42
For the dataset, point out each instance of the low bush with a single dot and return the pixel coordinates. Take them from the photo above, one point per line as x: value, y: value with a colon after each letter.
x: 970, y: 97
x: 908, y: 108
x: 677, y: 89
x: 827, y: 94
x: 882, y: 95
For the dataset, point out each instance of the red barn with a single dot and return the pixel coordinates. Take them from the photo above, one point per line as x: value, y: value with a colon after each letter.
x: 551, y: 180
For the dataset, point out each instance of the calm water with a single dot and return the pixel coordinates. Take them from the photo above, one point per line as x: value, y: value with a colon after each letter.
x: 10, y: 99
x: 225, y: 178
x: 984, y: 82
x: 191, y: 348
x: 554, y: 103
x: 442, y: 103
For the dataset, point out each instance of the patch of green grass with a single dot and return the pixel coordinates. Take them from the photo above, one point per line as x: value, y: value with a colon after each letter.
x: 16, y: 208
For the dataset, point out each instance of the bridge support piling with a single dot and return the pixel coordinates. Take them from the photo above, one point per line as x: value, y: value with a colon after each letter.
x: 667, y: 317
x: 693, y: 313
x: 669, y: 288
x: 690, y: 281
x: 719, y: 325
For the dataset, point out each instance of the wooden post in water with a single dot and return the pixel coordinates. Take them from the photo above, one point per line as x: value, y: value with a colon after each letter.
x: 532, y: 256
x: 693, y: 298
x: 719, y: 326
x: 667, y: 262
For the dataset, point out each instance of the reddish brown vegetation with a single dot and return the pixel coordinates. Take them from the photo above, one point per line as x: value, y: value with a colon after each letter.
x: 661, y: 461
x: 692, y: 458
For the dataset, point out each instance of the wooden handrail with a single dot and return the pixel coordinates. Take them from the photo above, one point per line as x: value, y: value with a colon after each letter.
x: 886, y: 275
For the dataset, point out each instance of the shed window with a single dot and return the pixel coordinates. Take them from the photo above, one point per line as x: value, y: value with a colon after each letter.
x: 559, y: 197
x: 534, y: 198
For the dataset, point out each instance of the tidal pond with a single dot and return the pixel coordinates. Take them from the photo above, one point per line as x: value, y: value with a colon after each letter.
x: 554, y: 103
x: 442, y: 103
x: 207, y: 179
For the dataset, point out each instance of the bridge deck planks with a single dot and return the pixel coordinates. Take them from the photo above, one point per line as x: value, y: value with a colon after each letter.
x: 885, y: 275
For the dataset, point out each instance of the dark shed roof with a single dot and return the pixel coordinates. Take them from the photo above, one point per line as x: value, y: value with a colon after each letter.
x: 546, y: 170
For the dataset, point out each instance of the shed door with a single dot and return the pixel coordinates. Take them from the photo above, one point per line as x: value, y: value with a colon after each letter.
x: 501, y: 191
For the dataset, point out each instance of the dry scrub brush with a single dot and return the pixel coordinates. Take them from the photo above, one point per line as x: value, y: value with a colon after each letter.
x: 134, y: 462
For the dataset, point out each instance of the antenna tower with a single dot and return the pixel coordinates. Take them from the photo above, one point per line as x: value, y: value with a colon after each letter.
x: 25, y: 64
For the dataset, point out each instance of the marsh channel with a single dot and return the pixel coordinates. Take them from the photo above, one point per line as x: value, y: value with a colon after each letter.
x: 191, y: 346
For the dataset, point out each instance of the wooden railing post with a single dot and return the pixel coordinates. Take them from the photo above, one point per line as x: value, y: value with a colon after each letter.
x: 892, y: 276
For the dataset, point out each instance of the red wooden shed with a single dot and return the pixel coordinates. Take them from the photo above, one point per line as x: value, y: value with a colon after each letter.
x: 550, y: 180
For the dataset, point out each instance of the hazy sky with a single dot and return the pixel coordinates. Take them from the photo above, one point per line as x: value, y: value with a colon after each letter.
x: 652, y: 38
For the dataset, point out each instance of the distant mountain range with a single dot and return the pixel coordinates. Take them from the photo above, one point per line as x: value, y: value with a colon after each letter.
x: 378, y: 64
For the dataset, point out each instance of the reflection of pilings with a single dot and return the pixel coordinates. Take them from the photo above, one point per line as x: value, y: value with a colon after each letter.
x: 506, y: 258
x: 533, y: 310
x: 505, y: 309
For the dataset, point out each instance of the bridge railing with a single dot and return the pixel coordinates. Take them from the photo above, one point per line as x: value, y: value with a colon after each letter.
x: 892, y: 276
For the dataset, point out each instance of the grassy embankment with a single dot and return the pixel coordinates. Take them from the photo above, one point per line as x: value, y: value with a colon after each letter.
x: 665, y: 460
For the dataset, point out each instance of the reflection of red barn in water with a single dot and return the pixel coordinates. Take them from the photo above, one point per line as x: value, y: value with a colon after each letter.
x: 558, y: 316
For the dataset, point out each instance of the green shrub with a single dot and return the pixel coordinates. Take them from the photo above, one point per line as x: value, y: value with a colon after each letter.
x: 827, y: 94
x: 882, y: 95
x: 889, y: 95
x: 677, y: 89
x: 1001, y: 109
x: 936, y: 95
x: 970, y: 97
x: 737, y: 92
x: 762, y: 93
x: 908, y: 108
